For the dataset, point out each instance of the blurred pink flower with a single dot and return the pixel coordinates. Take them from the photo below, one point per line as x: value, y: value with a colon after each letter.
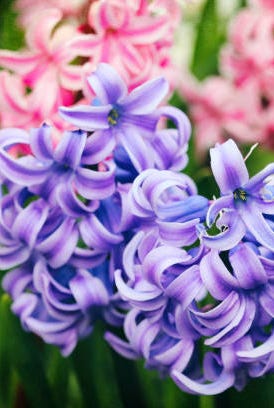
x: 250, y: 51
x: 131, y: 36
x: 240, y: 102
x: 135, y: 36
x: 28, y: 8
x: 27, y: 110
x: 48, y: 54
x: 263, y: 3
x: 213, y: 110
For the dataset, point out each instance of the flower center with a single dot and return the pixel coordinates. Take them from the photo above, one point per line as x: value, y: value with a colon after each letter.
x: 113, y: 117
x: 240, y: 194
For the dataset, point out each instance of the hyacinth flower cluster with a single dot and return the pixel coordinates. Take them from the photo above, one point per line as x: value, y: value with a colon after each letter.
x: 65, y: 41
x: 238, y: 103
x: 106, y: 226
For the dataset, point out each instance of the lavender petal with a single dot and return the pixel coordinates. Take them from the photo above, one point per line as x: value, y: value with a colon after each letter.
x: 41, y: 143
x: 87, y: 117
x: 228, y: 167
x: 107, y: 84
x: 146, y: 97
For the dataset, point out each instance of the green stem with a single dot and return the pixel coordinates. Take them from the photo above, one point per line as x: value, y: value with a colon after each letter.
x: 207, y: 401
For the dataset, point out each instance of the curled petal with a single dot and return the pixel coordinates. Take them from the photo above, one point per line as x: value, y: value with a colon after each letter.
x: 141, y: 335
x: 267, y: 299
x: 13, y: 256
x: 178, y: 356
x: 36, y: 214
x: 238, y: 327
x: 96, y: 235
x: 216, y: 277
x: 247, y: 267
x: 26, y: 173
x: 71, y: 204
x: 71, y: 77
x: 12, y: 136
x: 16, y: 281
x: 88, y: 290
x: 178, y: 234
x: 122, y: 347
x: 165, y: 193
x: 257, y: 353
x: 217, y: 207
x: 99, y: 146
x: 145, y: 300
x: 185, y: 287
x: 41, y: 143
x: 147, y: 30
x: 221, y: 315
x: 130, y: 253
x: 257, y: 225
x: 84, y: 44
x: 183, y: 210
x: 70, y: 148
x: 24, y: 305
x: 159, y: 259
x: 95, y: 185
x: 234, y: 230
x: 224, y: 381
x: 180, y: 119
x: 59, y: 246
x: 87, y: 258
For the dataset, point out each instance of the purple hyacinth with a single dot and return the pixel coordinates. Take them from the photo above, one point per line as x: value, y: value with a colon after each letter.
x: 57, y: 174
x: 169, y: 202
x: 129, y: 119
x: 51, y: 200
x: 160, y: 281
x: 103, y: 226
x: 245, y: 295
x: 60, y: 305
x: 244, y: 203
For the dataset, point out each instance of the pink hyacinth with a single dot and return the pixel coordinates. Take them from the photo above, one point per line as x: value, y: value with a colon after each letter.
x: 213, y: 110
x: 43, y: 78
x: 240, y: 102
x: 65, y: 41
x: 263, y: 3
x: 28, y: 8
x: 130, y: 36
x: 48, y: 51
x: 29, y: 110
x: 250, y: 52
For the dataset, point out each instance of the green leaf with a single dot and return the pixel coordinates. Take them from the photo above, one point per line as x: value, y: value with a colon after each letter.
x: 130, y: 384
x: 24, y: 354
x: 5, y: 368
x: 258, y: 159
x: 163, y: 392
x: 258, y: 393
x: 210, y: 36
x: 93, y: 367
x: 58, y: 373
x: 11, y: 36
x: 207, y: 401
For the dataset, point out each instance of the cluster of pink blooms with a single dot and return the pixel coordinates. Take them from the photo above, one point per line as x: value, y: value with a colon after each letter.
x: 240, y: 102
x: 65, y: 41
